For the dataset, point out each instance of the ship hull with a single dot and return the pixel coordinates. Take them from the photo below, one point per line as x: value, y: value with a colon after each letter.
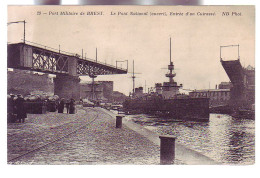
x: 180, y: 109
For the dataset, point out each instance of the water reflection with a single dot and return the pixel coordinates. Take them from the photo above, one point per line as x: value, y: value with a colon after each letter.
x: 225, y: 139
x: 241, y: 141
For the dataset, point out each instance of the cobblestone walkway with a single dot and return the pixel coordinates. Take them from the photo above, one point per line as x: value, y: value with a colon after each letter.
x: 40, y: 129
x: 98, y: 143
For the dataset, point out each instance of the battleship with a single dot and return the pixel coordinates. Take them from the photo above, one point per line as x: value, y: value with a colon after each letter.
x: 167, y: 101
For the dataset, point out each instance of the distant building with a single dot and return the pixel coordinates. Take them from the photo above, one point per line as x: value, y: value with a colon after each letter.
x: 225, y: 85
x: 108, y: 88
x: 101, y: 90
x: 250, y: 84
x: 217, y: 97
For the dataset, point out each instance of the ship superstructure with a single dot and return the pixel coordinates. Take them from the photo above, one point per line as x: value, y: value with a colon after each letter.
x: 169, y: 89
x: 167, y: 101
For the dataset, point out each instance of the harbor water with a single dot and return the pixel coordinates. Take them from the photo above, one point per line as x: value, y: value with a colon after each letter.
x: 223, y: 138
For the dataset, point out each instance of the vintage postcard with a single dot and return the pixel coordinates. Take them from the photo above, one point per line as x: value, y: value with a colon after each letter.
x: 131, y: 85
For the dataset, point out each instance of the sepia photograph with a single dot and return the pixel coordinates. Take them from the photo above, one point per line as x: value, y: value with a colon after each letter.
x: 131, y: 85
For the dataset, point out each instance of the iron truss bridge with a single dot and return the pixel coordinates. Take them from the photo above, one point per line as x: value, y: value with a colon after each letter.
x: 30, y: 57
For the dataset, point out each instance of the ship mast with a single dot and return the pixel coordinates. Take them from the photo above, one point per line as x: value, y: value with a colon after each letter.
x: 171, y: 75
x: 133, y: 77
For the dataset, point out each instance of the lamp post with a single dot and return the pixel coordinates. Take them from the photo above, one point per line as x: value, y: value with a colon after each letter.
x: 126, y: 64
x: 23, y: 27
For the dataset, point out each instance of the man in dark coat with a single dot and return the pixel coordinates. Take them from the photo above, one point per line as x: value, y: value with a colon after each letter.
x: 11, y: 117
x: 61, y: 106
x: 67, y: 106
x: 72, y: 106
x: 20, y: 108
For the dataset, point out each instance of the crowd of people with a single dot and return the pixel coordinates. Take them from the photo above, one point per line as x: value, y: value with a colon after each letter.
x: 70, y: 106
x: 17, y: 107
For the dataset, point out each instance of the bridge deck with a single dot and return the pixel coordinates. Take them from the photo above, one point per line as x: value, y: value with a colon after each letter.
x: 30, y: 57
x: 234, y: 71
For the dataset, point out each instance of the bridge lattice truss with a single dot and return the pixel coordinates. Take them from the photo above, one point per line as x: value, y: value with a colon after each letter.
x: 92, y: 69
x: 47, y: 61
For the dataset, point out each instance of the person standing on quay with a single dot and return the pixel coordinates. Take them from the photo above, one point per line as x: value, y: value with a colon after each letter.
x: 72, y: 106
x: 67, y: 105
x: 11, y: 108
x: 20, y: 109
x: 61, y: 106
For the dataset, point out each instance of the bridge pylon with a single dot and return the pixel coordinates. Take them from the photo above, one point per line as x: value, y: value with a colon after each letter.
x: 67, y: 86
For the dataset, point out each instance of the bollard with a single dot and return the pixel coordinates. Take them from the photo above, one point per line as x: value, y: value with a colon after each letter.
x: 167, y: 150
x: 118, y: 121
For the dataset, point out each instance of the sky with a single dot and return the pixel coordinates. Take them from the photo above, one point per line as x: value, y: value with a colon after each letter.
x: 196, y: 40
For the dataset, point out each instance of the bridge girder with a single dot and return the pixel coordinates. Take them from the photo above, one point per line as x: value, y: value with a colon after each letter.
x: 91, y: 69
x: 29, y: 57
